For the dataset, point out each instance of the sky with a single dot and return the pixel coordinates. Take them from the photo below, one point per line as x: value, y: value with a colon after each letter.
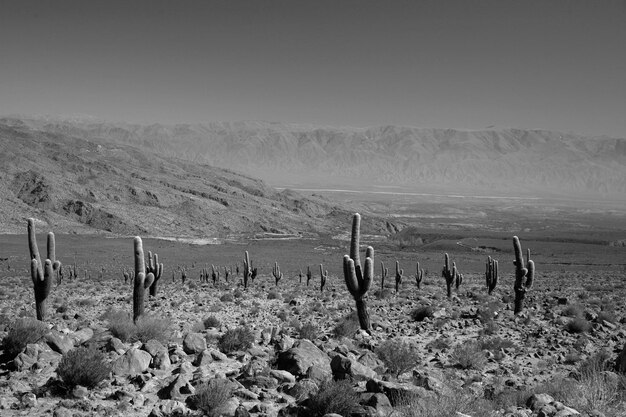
x: 464, y: 64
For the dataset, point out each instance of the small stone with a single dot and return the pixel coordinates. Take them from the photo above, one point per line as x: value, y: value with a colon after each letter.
x: 29, y: 400
x: 80, y: 392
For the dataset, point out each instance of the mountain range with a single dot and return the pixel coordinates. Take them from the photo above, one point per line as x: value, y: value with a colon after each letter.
x: 492, y: 161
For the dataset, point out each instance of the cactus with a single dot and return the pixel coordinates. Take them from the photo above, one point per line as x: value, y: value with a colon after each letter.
x: 227, y: 273
x: 309, y: 275
x: 323, y: 278
x: 359, y: 280
x: 300, y: 276
x: 384, y: 273
x: 41, y: 274
x: 155, y: 268
x: 419, y: 276
x: 183, y: 276
x: 215, y: 275
x: 448, y: 274
x: 247, y: 270
x: 399, y: 273
x: 524, y: 276
x: 276, y: 273
x: 491, y: 274
x: 141, y: 281
x: 60, y: 275
x: 458, y: 280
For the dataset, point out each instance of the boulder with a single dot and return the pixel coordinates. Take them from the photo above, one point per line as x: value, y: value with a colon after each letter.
x: 131, y: 363
x: 194, y: 343
x: 303, y: 356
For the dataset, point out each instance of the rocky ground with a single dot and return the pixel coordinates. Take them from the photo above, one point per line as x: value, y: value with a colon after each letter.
x: 427, y: 354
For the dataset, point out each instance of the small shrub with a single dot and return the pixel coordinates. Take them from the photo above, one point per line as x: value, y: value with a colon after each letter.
x: 83, y: 366
x: 347, y: 326
x: 62, y: 309
x: 468, y: 355
x: 85, y: 302
x: 578, y: 325
x: 283, y: 315
x: 23, y: 332
x: 240, y: 338
x: 212, y: 396
x: 273, y: 295
x: 494, y: 344
x: 489, y: 328
x: 308, y: 331
x: 439, y: 343
x: 151, y: 327
x: 226, y: 298
x: 398, y: 355
x: 608, y: 316
x: 211, y: 321
x: 420, y: 313
x: 333, y: 397
x: 238, y: 293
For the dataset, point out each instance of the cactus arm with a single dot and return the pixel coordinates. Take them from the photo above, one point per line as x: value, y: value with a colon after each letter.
x: 530, y: 275
x: 355, y: 240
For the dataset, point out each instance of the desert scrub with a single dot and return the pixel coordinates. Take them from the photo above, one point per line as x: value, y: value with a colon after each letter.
x: 21, y: 333
x: 240, y: 338
x: 147, y: 327
x: 578, y: 325
x: 422, y: 312
x: 211, y: 321
x: 273, y: 295
x: 347, y: 326
x: 83, y: 366
x: 468, y: 355
x: 459, y: 402
x: 333, y: 397
x: 398, y: 356
x: 212, y: 396
x: 227, y: 298
x: 574, y: 310
x: 308, y: 331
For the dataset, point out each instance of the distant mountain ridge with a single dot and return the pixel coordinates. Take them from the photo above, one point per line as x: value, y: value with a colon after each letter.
x: 492, y: 161
x: 74, y: 183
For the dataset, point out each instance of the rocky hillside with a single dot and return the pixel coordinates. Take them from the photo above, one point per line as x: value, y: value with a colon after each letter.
x: 77, y: 183
x: 492, y: 162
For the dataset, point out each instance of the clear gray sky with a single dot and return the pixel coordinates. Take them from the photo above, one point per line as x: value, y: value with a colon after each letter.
x: 550, y: 64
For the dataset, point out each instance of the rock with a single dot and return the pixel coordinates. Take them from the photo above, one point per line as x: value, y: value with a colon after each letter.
x: 116, y: 345
x: 302, y: 389
x: 154, y: 347
x: 166, y: 408
x: 395, y: 390
x: 431, y: 380
x: 82, y: 335
x: 217, y: 355
x: 80, y: 392
x: 282, y: 376
x: 547, y: 410
x: 58, y: 342
x: 241, y: 412
x: 620, y: 362
x: 62, y: 412
x: 341, y: 367
x: 379, y: 402
x: 131, y: 363
x: 179, y: 389
x: 203, y: 358
x: 29, y: 400
x: 303, y: 356
x: 194, y: 343
x: 566, y: 411
x: 536, y: 401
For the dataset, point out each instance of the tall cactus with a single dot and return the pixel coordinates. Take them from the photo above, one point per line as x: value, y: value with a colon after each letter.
x: 491, y: 274
x: 156, y: 269
x: 399, y: 273
x: 448, y: 274
x: 141, y: 281
x: 309, y: 275
x: 247, y: 269
x: 41, y: 274
x: 323, y: 278
x: 359, y: 280
x: 524, y: 276
x: 419, y: 276
x: 384, y: 272
x: 276, y: 273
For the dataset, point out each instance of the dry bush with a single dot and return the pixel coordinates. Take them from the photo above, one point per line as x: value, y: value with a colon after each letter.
x: 83, y: 366
x: 212, y: 396
x: 420, y: 313
x: 240, y: 338
x: 21, y: 333
x: 399, y: 356
x: 494, y: 344
x: 147, y: 327
x: 573, y: 310
x: 226, y: 298
x: 468, y: 355
x: 347, y: 326
x: 451, y: 405
x: 211, y: 321
x: 439, y: 343
x: 273, y: 295
x: 333, y: 397
x: 578, y: 325
x: 308, y: 331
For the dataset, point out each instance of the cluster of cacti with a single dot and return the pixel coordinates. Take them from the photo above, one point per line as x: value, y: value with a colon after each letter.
x: 491, y: 274
x: 524, y: 276
x: 384, y: 273
x: 276, y: 273
x: 215, y: 274
x: 323, y: 278
x: 359, y: 280
x: 451, y: 275
x: 419, y: 276
x: 142, y: 281
x: 41, y: 273
x: 399, y: 273
x: 129, y: 275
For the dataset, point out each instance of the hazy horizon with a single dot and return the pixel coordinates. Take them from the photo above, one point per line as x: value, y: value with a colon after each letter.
x: 557, y: 65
